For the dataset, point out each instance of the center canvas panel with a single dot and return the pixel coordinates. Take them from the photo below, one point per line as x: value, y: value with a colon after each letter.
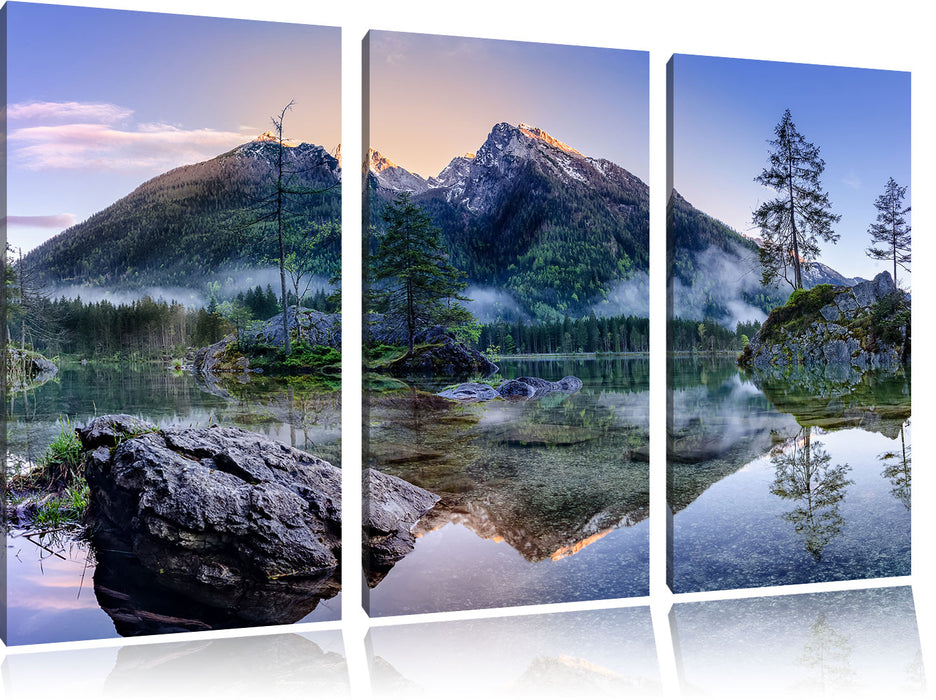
x: 506, y: 327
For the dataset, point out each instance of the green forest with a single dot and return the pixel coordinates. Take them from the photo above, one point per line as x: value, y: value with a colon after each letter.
x: 588, y: 334
x: 557, y: 252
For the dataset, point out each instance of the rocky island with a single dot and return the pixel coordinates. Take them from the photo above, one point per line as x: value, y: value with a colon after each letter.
x: 866, y: 325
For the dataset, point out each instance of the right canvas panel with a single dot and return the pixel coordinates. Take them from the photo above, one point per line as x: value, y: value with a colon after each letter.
x: 789, y: 298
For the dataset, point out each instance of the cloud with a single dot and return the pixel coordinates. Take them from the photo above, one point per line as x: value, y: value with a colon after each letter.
x: 103, y: 147
x: 100, y: 113
x: 56, y: 221
x: 73, y: 135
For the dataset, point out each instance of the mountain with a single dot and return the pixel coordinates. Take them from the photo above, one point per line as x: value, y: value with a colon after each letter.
x: 190, y: 223
x: 715, y: 272
x: 531, y: 217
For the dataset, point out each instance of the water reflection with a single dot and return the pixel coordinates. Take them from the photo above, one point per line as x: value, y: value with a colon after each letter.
x: 280, y: 665
x: 785, y: 476
x: 59, y: 597
x: 594, y: 654
x: 862, y: 642
x: 897, y: 469
x: 804, y: 474
x: 541, y: 501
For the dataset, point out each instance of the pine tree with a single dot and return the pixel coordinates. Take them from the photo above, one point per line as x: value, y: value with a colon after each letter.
x: 792, y: 223
x: 412, y: 281
x: 890, y: 229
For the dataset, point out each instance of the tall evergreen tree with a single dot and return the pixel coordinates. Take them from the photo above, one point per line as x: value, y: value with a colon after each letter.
x: 792, y: 223
x: 412, y: 281
x: 891, y: 230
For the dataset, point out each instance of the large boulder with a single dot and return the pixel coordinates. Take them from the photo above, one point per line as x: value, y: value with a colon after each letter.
x: 226, y: 518
x: 213, y: 508
x: 437, y: 352
x: 309, y: 326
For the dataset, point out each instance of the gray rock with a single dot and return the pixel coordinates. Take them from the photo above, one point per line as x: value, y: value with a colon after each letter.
x: 107, y: 431
x: 570, y: 385
x: 312, y: 327
x: 214, y: 513
x: 217, y: 507
x: 830, y: 312
x: 470, y: 392
x: 392, y: 507
x: 520, y: 389
x: 515, y: 390
x: 842, y: 339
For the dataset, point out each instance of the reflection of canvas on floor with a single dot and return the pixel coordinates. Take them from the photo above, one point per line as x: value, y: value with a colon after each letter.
x: 789, y: 375
x: 507, y: 329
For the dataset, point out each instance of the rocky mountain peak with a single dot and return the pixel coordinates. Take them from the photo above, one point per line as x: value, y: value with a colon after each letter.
x: 536, y: 133
x: 270, y: 137
x: 377, y: 162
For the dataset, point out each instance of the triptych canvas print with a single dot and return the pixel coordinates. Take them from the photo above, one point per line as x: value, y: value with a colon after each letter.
x: 172, y: 309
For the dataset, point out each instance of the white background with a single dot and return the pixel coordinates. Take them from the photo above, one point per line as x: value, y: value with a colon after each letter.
x: 897, y: 35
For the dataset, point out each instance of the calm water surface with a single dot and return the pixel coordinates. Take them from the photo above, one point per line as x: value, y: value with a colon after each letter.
x: 788, y: 478
x: 50, y: 579
x: 542, y: 501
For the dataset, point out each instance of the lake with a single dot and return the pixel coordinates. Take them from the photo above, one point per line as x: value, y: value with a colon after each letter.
x: 60, y: 588
x: 787, y: 477
x: 543, y: 501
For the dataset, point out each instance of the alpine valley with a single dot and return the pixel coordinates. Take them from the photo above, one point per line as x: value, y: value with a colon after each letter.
x: 547, y: 229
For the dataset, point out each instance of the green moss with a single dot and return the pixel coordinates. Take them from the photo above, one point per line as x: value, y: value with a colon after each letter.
x: 800, y: 312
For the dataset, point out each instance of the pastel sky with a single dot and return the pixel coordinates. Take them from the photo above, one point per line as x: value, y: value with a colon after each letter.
x: 434, y: 98
x: 99, y: 101
x: 725, y: 111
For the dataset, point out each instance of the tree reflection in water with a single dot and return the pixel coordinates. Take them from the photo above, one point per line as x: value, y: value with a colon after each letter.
x: 804, y: 475
x: 897, y: 470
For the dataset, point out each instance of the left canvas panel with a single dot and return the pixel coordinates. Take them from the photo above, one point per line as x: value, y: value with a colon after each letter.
x: 172, y: 436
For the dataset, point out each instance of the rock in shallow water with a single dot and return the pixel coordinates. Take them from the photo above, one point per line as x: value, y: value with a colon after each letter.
x: 520, y: 389
x: 222, y: 515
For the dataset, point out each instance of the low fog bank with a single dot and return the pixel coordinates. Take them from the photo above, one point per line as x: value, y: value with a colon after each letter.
x: 230, y: 283
x: 721, y: 279
x: 630, y: 297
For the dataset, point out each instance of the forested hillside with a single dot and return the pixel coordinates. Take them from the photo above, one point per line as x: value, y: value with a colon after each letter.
x: 191, y: 223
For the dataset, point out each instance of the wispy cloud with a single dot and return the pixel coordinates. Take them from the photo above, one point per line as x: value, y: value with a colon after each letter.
x: 852, y: 180
x: 56, y: 221
x: 98, y: 143
x: 69, y: 111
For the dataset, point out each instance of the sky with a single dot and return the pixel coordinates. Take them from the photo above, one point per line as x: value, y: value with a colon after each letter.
x: 725, y: 111
x: 100, y: 101
x: 434, y: 98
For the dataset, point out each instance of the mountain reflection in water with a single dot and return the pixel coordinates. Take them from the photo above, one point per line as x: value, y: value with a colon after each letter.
x: 538, y: 481
x: 793, y: 476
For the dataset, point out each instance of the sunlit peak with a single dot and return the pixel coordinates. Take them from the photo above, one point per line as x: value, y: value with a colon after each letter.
x: 270, y: 137
x: 535, y: 132
x: 378, y: 162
